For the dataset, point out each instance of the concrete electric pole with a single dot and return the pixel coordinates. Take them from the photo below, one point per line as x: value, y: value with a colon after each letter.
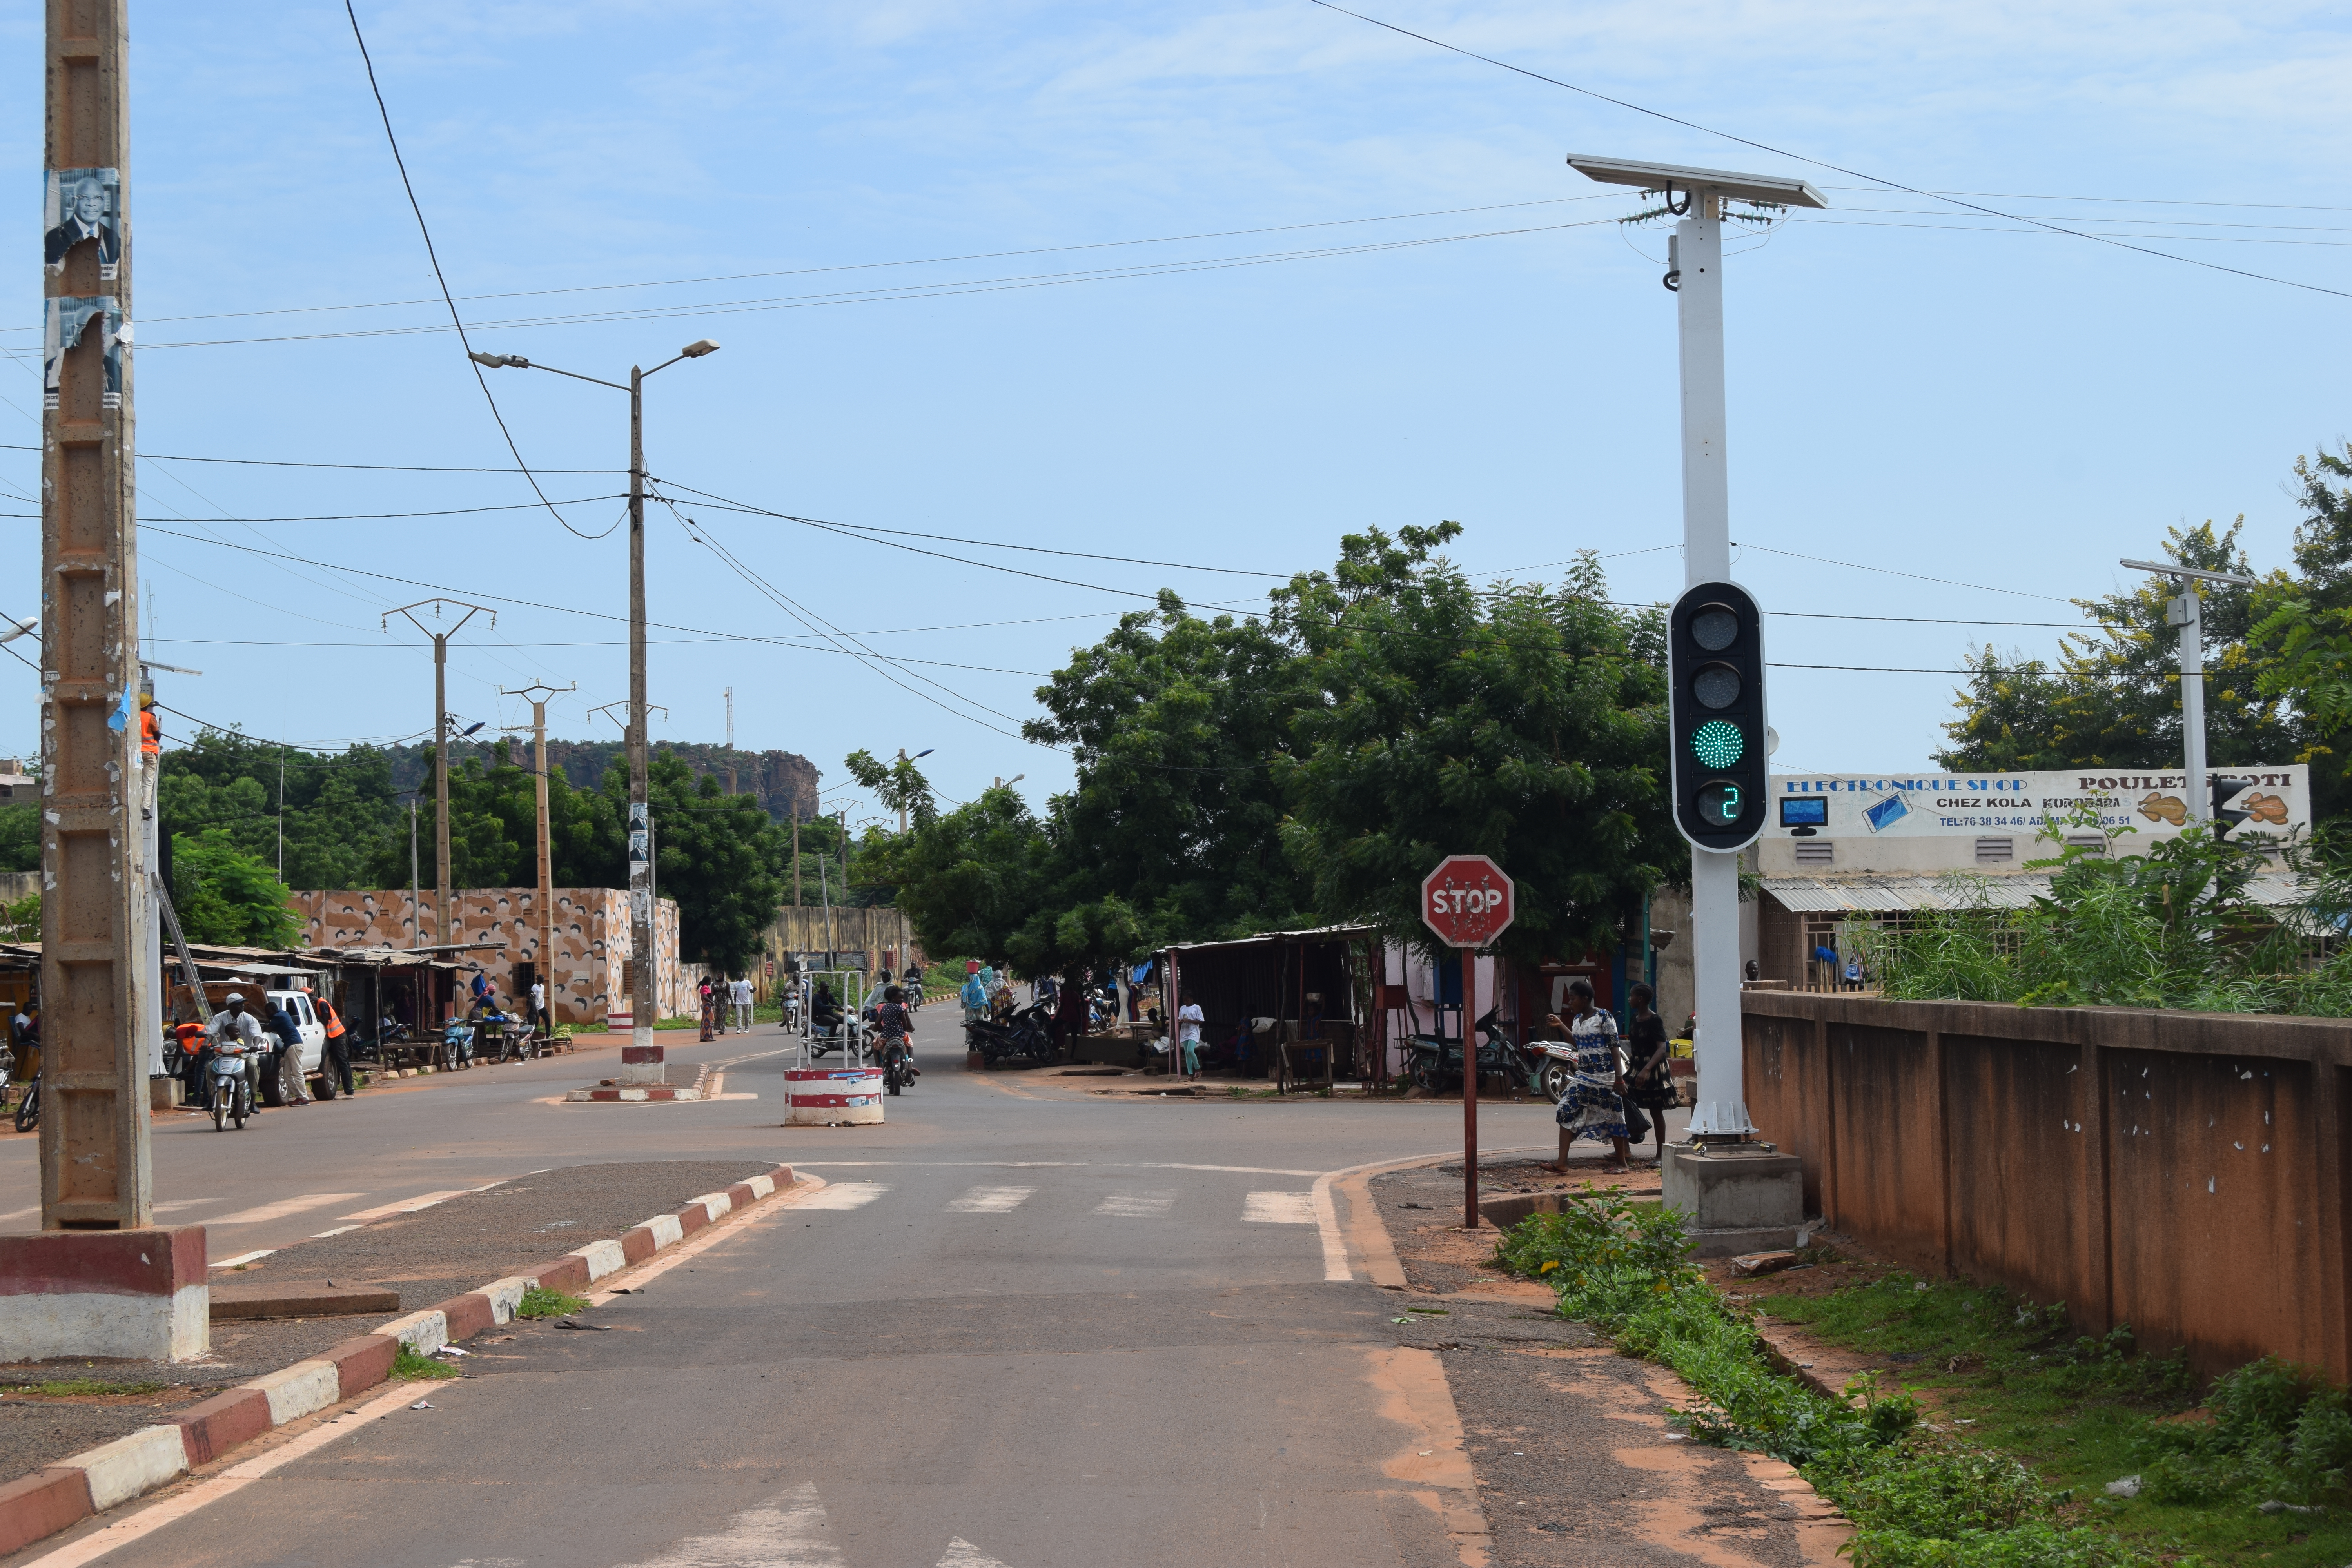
x: 641, y: 1062
x: 545, y: 966
x: 2187, y: 612
x: 1696, y: 277
x: 133, y: 1290
x: 442, y: 909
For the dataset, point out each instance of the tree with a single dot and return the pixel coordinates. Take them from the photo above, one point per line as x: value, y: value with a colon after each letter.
x: 1519, y: 721
x: 2113, y: 698
x: 968, y: 879
x: 341, y: 812
x: 225, y: 895
x: 719, y: 855
x: 20, y: 838
x: 2308, y: 629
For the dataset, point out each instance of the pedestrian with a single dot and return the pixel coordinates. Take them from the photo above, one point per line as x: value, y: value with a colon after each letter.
x: 739, y: 991
x: 539, y: 1019
x: 988, y: 977
x: 191, y: 1038
x: 704, y: 992
x: 338, y: 1065
x: 1594, y: 1105
x: 1651, y: 1082
x: 482, y: 985
x: 1189, y: 1019
x: 292, y: 1087
x: 975, y: 998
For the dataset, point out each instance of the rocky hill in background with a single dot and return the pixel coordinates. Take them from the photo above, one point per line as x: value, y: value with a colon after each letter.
x: 781, y: 779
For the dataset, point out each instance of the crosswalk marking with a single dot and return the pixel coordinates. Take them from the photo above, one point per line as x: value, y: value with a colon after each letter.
x: 791, y: 1532
x: 1279, y: 1208
x: 845, y: 1195
x: 284, y: 1206
x: 1136, y: 1205
x: 963, y: 1553
x: 990, y: 1200
x: 405, y: 1205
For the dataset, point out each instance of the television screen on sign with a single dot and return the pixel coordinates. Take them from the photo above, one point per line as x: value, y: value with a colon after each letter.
x: 1804, y: 811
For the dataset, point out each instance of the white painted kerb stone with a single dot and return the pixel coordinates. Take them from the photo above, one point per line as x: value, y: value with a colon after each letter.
x: 299, y: 1389
x: 122, y: 1469
x: 423, y: 1333
x: 602, y: 1258
x: 666, y: 1231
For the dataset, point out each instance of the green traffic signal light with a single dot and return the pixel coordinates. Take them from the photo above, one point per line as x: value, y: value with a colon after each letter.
x: 1718, y: 744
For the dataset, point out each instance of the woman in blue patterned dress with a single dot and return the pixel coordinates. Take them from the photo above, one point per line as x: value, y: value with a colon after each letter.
x: 1594, y: 1105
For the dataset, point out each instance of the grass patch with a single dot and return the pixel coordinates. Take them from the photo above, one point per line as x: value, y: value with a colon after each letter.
x: 1918, y: 1498
x: 80, y: 1387
x: 539, y: 1303
x: 408, y: 1364
x: 2083, y: 1412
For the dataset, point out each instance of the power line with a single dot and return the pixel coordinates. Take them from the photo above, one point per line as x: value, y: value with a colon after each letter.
x: 1837, y: 168
x: 456, y: 320
x: 373, y: 468
x: 381, y: 516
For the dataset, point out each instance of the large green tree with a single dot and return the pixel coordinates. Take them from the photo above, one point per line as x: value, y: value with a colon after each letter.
x: 1520, y: 721
x: 225, y: 895
x: 717, y: 855
x: 2112, y: 699
x: 2307, y: 629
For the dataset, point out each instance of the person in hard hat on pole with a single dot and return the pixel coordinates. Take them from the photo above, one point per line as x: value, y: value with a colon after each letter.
x: 151, y: 728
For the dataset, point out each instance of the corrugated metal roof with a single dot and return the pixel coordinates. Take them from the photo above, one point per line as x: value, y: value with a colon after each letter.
x: 2013, y: 890
x: 1317, y: 933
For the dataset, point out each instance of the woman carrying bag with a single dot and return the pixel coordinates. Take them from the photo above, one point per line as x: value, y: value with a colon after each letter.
x: 1594, y: 1105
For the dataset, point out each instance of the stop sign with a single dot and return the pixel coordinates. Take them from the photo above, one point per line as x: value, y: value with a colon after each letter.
x: 1468, y: 900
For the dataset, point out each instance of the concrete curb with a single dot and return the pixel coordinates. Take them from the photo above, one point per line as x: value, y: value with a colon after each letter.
x: 90, y: 1482
x: 652, y: 1093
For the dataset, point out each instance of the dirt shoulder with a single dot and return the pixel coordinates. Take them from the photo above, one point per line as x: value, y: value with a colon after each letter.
x: 1575, y: 1460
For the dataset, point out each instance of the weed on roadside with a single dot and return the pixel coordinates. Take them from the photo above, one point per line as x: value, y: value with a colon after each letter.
x: 1918, y: 1499
x: 410, y: 1366
x: 539, y: 1303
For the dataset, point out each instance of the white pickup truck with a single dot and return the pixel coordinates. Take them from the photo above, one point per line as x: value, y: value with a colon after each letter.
x: 298, y: 1007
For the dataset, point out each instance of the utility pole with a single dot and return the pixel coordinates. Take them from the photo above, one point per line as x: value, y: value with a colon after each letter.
x: 642, y: 1060
x: 281, y: 811
x: 442, y: 906
x: 140, y: 1295
x: 2187, y: 612
x: 94, y: 1151
x: 796, y: 854
x: 545, y: 967
x: 416, y: 915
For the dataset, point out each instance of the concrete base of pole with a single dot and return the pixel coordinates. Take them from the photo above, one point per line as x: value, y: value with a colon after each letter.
x: 1735, y: 1199
x: 136, y: 1294
x: 642, y: 1065
x: 164, y: 1093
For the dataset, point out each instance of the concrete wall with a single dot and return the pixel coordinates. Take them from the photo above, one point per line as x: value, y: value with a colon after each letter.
x: 591, y: 939
x: 2182, y: 1173
x: 876, y: 932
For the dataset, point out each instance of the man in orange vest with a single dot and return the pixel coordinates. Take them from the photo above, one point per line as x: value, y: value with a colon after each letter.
x: 150, y: 729
x: 338, y: 1052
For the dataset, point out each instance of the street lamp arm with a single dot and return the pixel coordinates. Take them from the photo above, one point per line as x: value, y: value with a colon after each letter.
x: 574, y: 374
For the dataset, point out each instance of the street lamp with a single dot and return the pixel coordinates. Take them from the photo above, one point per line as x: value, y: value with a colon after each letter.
x: 642, y: 1061
x: 2186, y: 612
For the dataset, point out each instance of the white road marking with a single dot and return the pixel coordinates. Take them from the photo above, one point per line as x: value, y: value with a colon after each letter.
x: 1235, y: 1170
x: 160, y: 1208
x: 792, y: 1533
x: 284, y: 1206
x: 845, y: 1195
x: 323, y: 1235
x: 990, y: 1200
x: 244, y: 1258
x: 1279, y: 1208
x: 409, y: 1205
x: 963, y: 1553
x: 1327, y: 1220
x: 1136, y: 1205
x: 20, y: 1214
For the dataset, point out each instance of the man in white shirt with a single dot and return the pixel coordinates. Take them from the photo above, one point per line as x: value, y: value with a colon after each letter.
x: 1189, y: 1019
x: 739, y: 991
x: 539, y: 1006
x: 239, y: 1030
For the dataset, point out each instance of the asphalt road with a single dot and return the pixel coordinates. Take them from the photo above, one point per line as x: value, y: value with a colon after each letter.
x: 1023, y: 1325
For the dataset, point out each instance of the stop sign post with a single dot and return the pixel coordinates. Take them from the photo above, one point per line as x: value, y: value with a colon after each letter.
x: 1468, y: 901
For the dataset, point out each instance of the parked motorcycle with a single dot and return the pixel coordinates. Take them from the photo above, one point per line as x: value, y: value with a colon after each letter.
x: 28, y: 1109
x: 1434, y: 1061
x: 1542, y: 1067
x: 1028, y: 1036
x: 457, y: 1045
x: 232, y: 1090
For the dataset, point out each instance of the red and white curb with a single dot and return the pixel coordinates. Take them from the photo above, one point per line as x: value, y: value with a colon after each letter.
x: 99, y: 1478
x: 655, y: 1091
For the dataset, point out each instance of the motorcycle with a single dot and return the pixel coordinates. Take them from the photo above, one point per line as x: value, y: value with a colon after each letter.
x: 232, y: 1090
x: 1542, y: 1067
x: 28, y: 1109
x: 896, y: 1072
x: 1436, y: 1060
x: 1027, y: 1038
x: 457, y: 1045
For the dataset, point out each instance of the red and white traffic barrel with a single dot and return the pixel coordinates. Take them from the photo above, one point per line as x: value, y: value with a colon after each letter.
x: 829, y: 1097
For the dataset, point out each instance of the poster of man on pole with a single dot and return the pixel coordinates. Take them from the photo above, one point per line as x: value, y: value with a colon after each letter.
x: 81, y: 204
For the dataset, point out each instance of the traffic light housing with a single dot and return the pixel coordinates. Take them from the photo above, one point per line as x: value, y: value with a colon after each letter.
x: 1715, y: 658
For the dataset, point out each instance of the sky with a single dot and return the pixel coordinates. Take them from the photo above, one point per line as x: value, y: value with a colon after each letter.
x: 1188, y: 292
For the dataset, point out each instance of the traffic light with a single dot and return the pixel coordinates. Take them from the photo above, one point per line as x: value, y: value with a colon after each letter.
x: 1715, y: 657
x: 2225, y: 818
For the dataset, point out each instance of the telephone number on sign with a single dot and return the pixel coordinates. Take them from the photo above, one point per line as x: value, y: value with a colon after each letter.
x: 1997, y: 821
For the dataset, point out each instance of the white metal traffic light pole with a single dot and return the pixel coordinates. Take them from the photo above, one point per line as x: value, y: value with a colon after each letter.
x: 1696, y: 275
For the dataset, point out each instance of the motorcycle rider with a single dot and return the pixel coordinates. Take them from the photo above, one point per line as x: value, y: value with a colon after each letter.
x: 896, y: 1027
x: 233, y: 1024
